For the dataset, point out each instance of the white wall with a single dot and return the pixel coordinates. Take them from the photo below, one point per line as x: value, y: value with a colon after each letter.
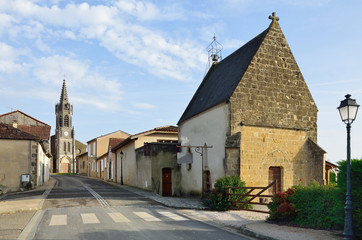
x: 209, y: 127
x: 129, y: 165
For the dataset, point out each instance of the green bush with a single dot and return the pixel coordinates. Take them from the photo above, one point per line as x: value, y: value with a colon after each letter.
x: 356, y: 177
x: 318, y: 206
x: 219, y: 200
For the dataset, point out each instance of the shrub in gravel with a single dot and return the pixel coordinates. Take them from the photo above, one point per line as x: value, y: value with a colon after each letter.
x: 219, y: 199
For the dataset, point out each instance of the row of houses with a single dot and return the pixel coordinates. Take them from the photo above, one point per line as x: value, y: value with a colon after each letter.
x: 141, y: 160
x: 252, y: 116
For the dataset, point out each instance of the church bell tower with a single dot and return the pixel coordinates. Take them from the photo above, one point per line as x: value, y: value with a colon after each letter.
x: 64, y: 134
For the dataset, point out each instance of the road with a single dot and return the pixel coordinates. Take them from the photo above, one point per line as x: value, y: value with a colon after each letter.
x: 83, y: 208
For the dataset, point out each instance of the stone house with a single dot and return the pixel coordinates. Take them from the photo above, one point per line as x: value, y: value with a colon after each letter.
x: 256, y: 111
x: 128, y: 168
x: 97, y: 147
x: 22, y: 153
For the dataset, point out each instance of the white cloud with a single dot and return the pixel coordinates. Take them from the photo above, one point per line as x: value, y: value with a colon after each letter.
x: 87, y: 86
x: 8, y: 59
x: 145, y: 106
x: 133, y: 43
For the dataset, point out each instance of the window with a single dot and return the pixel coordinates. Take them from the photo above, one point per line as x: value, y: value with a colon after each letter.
x: 66, y: 121
x: 65, y: 146
x: 60, y: 121
x: 68, y: 146
x: 94, y: 148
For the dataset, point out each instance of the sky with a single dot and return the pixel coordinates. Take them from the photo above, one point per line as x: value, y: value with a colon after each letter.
x: 134, y: 65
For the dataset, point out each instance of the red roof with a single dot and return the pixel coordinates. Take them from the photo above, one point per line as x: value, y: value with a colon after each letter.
x: 115, y: 141
x: 42, y: 131
x: 9, y: 132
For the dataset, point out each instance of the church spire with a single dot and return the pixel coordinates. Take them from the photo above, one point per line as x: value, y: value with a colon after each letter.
x: 64, y: 94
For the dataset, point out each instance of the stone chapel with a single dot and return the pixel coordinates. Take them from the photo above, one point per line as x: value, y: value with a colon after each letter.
x: 255, y: 111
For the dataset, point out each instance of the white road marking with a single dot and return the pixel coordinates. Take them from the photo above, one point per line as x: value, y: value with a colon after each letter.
x: 58, y: 220
x: 99, y: 198
x: 89, y: 218
x: 172, y: 216
x: 118, y: 217
x: 147, y: 217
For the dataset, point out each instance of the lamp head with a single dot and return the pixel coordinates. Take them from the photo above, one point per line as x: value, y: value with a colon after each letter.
x: 348, y: 109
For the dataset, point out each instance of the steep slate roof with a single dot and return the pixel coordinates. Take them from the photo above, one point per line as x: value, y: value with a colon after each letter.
x: 9, y: 132
x: 222, y: 79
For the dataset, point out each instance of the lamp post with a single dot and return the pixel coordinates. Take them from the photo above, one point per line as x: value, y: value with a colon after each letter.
x: 348, y: 111
x: 121, y: 154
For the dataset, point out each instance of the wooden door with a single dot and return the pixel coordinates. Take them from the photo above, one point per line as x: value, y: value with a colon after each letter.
x: 65, y: 167
x: 275, y: 174
x: 166, y: 182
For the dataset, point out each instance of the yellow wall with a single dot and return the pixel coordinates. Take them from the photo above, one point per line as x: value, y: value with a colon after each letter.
x: 262, y: 148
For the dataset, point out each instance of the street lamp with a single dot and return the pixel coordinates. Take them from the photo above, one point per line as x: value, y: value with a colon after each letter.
x: 348, y: 111
x: 121, y: 154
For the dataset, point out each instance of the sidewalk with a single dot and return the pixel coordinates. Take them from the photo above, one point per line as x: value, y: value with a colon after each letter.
x: 30, y: 203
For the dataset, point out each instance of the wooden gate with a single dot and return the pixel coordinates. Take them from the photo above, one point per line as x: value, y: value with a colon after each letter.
x: 241, y: 204
x: 166, y: 182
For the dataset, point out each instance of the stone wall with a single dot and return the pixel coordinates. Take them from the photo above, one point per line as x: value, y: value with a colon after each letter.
x: 272, y: 92
x: 291, y: 150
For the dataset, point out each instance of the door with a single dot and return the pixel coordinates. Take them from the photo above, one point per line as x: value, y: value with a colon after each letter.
x: 275, y: 174
x: 66, y: 167
x: 166, y: 182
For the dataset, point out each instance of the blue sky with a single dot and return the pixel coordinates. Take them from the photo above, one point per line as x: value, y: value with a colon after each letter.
x: 134, y: 65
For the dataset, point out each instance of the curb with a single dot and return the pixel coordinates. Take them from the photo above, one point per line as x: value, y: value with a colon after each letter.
x: 244, y: 230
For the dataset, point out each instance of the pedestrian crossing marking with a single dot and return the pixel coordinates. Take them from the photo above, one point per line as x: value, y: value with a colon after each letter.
x: 172, y: 216
x: 147, y: 217
x: 118, y: 217
x: 89, y: 218
x: 58, y: 220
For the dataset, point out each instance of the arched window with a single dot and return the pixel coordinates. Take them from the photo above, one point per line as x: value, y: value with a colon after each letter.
x: 68, y: 146
x: 65, y: 146
x: 66, y: 121
x: 60, y: 121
